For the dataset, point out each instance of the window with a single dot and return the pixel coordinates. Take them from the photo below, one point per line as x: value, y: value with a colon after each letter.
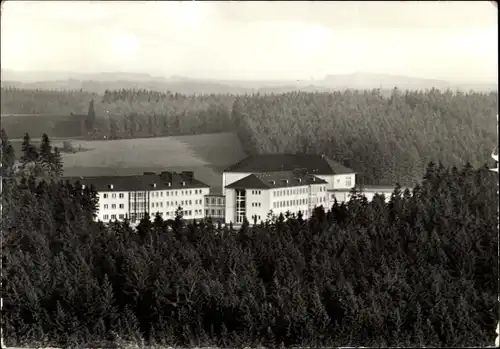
x: 105, y: 206
x: 105, y: 217
x: 113, y: 216
x: 348, y: 181
x: 207, y: 201
x: 213, y: 212
x: 219, y: 212
x: 190, y: 202
x: 161, y: 204
x: 213, y: 201
x: 161, y: 194
x: 121, y: 196
x: 121, y: 216
x: 206, y: 212
x: 105, y: 196
x: 190, y: 192
x: 113, y: 196
x: 168, y: 193
x: 122, y: 206
x: 190, y: 213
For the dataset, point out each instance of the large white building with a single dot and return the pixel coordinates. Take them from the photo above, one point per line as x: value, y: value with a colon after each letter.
x: 132, y: 197
x: 280, y: 183
x: 257, y: 195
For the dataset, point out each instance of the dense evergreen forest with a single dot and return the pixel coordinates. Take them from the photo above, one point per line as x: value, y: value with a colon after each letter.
x: 386, y: 138
x: 419, y: 270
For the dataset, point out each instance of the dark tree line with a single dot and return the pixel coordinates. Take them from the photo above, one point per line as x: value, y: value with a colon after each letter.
x: 418, y: 270
x: 385, y: 137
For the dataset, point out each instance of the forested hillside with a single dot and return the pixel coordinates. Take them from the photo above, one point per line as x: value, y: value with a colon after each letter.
x: 418, y: 271
x: 386, y: 138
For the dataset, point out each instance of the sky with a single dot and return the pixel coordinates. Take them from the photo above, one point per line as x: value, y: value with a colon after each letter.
x: 453, y: 41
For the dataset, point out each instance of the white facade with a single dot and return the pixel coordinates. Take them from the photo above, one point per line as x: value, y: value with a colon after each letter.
x: 230, y: 214
x: 339, y: 181
x: 133, y: 204
x: 259, y: 202
x: 231, y: 177
x: 293, y: 199
x: 112, y: 205
x: 166, y: 202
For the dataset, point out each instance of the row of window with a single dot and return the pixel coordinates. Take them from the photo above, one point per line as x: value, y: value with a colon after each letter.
x: 214, y: 213
x: 288, y: 203
x: 113, y: 206
x: 255, y: 192
x: 321, y: 189
x: 113, y: 195
x: 176, y: 192
x: 294, y: 191
x: 139, y: 216
x: 154, y: 194
x: 214, y: 201
x: 256, y: 204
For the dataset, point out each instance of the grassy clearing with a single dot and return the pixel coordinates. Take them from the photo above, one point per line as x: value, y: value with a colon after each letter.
x: 207, y: 155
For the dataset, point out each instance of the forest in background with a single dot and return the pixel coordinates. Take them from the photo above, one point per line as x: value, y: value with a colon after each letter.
x: 386, y: 138
x: 420, y: 270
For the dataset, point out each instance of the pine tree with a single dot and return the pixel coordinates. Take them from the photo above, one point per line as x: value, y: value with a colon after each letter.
x: 45, y: 155
x: 29, y: 157
x: 8, y: 154
x: 91, y: 116
x: 57, y: 163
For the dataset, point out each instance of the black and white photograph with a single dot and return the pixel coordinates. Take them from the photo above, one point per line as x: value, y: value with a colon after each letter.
x: 249, y: 174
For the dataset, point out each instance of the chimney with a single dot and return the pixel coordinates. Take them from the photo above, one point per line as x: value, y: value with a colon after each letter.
x: 110, y: 186
x: 188, y: 174
x: 166, y: 176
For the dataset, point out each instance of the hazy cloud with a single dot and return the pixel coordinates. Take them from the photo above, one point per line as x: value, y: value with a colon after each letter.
x: 259, y: 40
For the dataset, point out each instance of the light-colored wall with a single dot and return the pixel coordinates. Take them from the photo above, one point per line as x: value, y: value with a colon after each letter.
x: 289, y: 195
x: 340, y: 181
x: 257, y: 196
x: 341, y: 196
x: 317, y: 196
x: 330, y: 180
x: 231, y: 177
x: 110, y: 201
x: 230, y: 215
x: 158, y: 200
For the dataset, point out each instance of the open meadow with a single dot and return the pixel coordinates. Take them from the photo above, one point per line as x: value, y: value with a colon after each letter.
x: 207, y: 155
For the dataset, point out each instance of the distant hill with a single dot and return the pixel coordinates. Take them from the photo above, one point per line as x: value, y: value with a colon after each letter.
x: 99, y: 82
